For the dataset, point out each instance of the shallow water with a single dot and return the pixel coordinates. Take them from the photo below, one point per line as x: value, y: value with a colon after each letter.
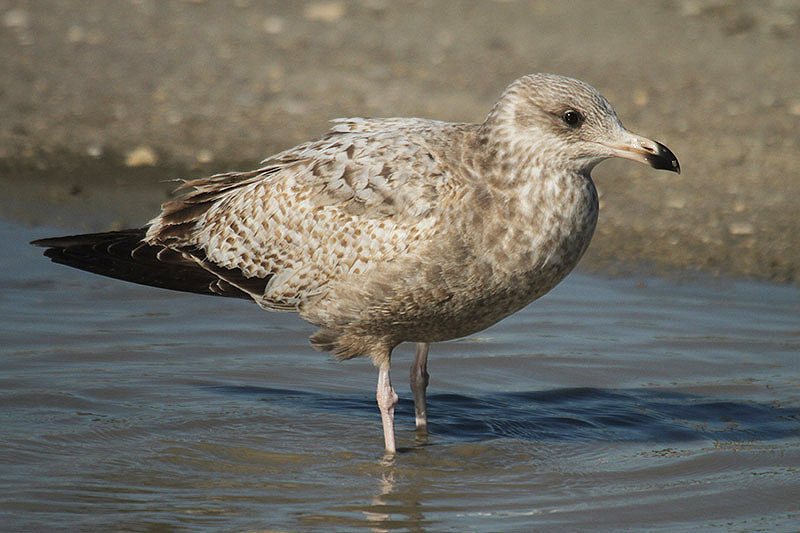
x: 607, y: 405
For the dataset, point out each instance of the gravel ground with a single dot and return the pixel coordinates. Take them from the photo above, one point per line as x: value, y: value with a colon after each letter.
x: 102, y: 102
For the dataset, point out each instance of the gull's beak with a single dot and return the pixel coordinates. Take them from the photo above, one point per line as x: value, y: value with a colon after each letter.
x: 644, y: 150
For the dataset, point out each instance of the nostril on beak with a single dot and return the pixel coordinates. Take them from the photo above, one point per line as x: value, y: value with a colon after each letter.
x: 647, y: 147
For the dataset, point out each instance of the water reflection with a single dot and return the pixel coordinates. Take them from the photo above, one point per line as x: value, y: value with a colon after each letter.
x: 377, y: 514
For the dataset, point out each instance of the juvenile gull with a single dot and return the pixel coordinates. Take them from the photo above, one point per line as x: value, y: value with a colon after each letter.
x: 391, y: 230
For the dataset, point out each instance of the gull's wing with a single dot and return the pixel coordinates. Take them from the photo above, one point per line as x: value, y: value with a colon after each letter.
x: 363, y: 194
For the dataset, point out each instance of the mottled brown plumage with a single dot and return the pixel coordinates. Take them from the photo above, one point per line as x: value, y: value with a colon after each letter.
x: 392, y: 230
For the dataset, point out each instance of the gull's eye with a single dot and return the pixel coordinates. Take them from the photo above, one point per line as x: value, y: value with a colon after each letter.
x: 572, y: 118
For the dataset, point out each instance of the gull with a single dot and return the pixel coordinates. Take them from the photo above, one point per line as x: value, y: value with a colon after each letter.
x: 390, y: 230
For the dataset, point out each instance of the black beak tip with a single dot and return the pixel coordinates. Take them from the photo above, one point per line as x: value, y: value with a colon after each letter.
x: 664, y: 159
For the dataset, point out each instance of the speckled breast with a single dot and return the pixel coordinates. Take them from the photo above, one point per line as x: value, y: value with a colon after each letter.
x: 487, y: 269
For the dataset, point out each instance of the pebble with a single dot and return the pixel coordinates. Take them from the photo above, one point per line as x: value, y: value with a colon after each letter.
x: 741, y: 228
x: 273, y: 25
x: 325, y: 11
x: 141, y: 156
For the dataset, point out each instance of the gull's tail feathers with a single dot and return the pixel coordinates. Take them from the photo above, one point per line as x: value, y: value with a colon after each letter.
x: 123, y: 255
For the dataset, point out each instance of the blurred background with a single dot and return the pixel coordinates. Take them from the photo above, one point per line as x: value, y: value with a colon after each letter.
x: 103, y: 103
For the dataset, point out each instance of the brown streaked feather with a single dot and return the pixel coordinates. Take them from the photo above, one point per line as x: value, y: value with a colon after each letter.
x: 204, y: 192
x: 336, y: 207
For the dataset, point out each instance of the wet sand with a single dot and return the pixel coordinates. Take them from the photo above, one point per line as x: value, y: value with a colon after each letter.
x: 634, y: 403
x: 187, y: 87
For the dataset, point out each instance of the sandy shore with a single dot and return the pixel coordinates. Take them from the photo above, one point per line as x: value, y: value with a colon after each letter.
x: 104, y: 102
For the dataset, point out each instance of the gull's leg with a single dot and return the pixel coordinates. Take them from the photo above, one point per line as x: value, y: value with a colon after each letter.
x: 387, y: 399
x: 419, y: 382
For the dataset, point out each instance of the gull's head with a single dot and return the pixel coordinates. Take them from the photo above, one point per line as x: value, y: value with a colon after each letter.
x: 564, y: 122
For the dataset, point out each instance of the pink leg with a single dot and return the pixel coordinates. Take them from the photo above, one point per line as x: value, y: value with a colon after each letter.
x: 387, y: 399
x: 419, y: 383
